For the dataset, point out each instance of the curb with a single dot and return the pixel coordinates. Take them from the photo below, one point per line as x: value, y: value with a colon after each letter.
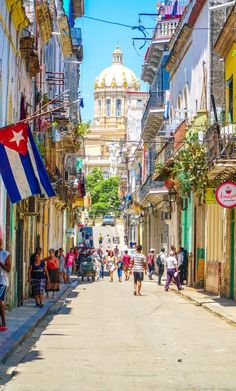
x: 16, y: 338
x: 213, y: 311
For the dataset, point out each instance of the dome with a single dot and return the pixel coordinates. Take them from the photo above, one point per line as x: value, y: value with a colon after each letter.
x: 117, y: 75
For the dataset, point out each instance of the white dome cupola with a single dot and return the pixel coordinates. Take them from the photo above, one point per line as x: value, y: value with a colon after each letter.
x: 117, y: 76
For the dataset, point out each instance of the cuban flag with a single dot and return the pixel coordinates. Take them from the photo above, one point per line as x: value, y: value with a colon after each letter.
x: 21, y: 166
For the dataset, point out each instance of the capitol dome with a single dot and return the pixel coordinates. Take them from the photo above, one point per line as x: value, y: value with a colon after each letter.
x: 117, y: 76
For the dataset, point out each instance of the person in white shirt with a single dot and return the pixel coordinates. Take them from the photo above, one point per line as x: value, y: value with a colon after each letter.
x: 172, y: 271
x: 5, y: 267
x: 139, y: 266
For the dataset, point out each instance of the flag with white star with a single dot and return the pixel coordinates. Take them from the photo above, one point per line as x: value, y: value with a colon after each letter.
x: 21, y: 166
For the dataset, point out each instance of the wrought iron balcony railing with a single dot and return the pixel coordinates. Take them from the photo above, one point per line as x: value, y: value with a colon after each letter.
x: 221, y: 142
x: 150, y: 185
x: 155, y: 101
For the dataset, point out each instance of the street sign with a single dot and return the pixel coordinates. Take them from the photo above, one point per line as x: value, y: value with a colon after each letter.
x: 226, y: 194
x: 70, y: 232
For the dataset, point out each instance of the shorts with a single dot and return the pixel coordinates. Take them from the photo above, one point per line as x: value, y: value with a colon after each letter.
x: 3, y: 291
x: 138, y: 276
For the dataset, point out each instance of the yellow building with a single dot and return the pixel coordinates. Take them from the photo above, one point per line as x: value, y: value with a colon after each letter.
x: 226, y: 48
x: 221, y: 229
x: 116, y: 90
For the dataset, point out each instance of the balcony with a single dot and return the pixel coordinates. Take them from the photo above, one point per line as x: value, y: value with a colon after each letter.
x: 164, y: 161
x: 152, y: 192
x: 76, y: 37
x: 221, y: 149
x: 162, y: 35
x: 153, y: 115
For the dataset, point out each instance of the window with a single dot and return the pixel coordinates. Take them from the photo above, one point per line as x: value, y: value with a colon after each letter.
x: 118, y: 107
x: 108, y: 107
x: 231, y: 100
x: 99, y: 108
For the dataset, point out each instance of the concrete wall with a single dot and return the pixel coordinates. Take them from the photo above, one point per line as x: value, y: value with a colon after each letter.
x: 189, y: 75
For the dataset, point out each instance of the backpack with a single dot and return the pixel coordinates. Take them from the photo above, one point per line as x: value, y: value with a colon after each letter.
x: 158, y: 260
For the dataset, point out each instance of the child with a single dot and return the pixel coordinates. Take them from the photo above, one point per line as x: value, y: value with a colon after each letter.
x: 119, y: 266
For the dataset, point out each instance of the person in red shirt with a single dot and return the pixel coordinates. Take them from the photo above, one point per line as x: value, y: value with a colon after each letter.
x: 150, y: 262
x: 126, y: 259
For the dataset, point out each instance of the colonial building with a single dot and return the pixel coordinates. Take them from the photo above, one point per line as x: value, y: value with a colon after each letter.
x: 116, y: 91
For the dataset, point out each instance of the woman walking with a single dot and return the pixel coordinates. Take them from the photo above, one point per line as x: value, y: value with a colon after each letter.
x: 111, y: 264
x: 52, y: 263
x: 37, y: 278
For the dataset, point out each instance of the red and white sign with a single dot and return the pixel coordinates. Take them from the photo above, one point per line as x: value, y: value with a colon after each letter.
x: 226, y: 194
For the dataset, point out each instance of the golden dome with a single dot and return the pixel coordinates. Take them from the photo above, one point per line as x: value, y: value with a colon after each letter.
x: 117, y: 75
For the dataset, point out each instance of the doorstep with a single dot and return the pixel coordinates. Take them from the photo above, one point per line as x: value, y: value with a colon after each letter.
x: 21, y: 321
x: 222, y: 307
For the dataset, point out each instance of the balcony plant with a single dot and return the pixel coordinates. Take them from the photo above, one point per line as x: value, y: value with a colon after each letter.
x: 191, y: 165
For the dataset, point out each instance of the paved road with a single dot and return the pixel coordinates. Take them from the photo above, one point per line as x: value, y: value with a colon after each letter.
x: 117, y: 231
x: 106, y: 339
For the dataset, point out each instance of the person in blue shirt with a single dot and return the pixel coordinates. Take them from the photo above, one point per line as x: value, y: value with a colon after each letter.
x: 119, y: 265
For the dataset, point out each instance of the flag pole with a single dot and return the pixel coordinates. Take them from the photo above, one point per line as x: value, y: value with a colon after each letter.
x: 46, y: 104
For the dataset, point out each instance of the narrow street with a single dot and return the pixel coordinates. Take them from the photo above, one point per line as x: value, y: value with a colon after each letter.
x: 106, y: 339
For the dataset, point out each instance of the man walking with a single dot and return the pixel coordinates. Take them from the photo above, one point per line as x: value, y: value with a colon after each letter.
x: 172, y: 271
x: 150, y: 263
x: 100, y: 240
x: 139, y: 265
x: 160, y: 261
x: 5, y: 267
x: 180, y: 258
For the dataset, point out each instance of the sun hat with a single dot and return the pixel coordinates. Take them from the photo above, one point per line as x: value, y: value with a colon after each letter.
x: 152, y: 249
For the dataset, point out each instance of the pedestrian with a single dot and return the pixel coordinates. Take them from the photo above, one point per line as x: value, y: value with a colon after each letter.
x: 102, y: 261
x: 160, y: 261
x: 150, y: 263
x: 173, y: 248
x: 108, y: 239
x: 119, y: 266
x: 111, y: 264
x: 37, y: 278
x: 172, y: 271
x: 126, y: 259
x: 52, y: 264
x: 116, y: 251
x: 5, y: 267
x: 70, y: 262
x: 180, y: 258
x: 138, y: 262
x: 39, y: 251
x: 100, y: 239
x: 62, y: 266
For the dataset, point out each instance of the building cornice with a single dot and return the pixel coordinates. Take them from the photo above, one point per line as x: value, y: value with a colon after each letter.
x: 227, y: 35
x: 18, y: 15
x: 181, y: 37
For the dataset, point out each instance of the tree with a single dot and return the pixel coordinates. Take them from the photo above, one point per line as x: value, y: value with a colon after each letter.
x: 104, y: 194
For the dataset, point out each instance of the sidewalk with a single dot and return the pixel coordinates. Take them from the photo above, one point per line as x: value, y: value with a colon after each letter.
x: 222, y: 307
x: 22, y: 320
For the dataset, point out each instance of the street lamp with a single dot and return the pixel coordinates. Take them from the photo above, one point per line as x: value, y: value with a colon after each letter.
x: 172, y: 195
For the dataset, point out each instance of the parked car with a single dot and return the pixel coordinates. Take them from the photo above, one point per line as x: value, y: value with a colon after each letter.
x: 108, y: 220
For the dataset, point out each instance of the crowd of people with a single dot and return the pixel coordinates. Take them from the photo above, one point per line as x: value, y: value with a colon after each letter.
x: 48, y: 273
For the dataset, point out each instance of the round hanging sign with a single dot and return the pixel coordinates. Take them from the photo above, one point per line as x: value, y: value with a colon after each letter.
x: 226, y: 194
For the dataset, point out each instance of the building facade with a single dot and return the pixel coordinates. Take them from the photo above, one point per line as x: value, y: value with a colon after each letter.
x: 116, y: 94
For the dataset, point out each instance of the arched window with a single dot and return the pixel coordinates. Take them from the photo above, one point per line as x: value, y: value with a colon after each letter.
x: 118, y: 107
x: 108, y: 107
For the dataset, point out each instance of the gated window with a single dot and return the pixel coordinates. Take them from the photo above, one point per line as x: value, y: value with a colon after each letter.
x: 118, y: 107
x: 108, y: 107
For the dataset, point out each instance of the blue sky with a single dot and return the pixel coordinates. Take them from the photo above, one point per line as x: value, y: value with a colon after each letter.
x: 100, y: 39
